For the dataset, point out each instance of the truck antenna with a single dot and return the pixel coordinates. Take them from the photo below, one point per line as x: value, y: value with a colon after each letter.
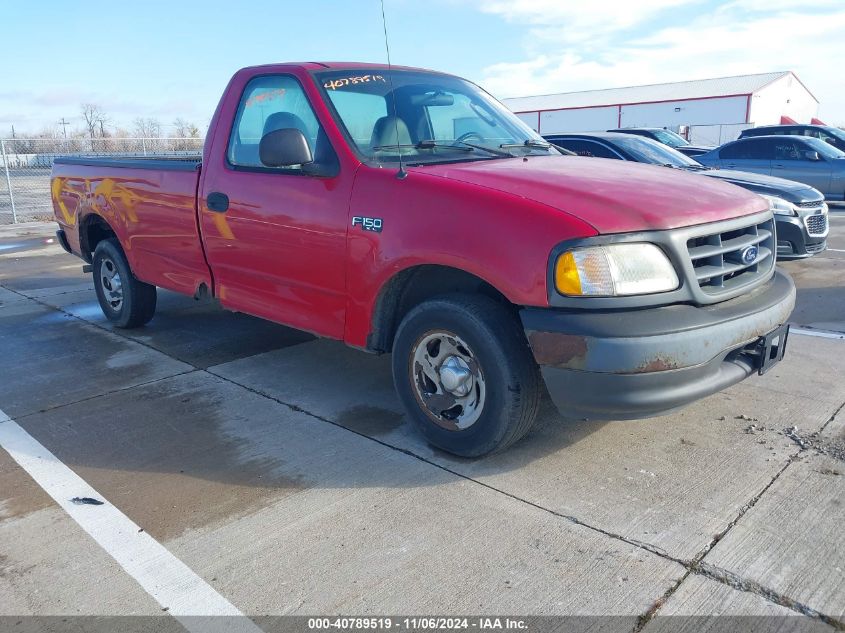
x: 401, y: 174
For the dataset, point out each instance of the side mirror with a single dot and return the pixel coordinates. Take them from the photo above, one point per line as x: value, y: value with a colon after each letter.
x: 284, y: 148
x: 812, y: 155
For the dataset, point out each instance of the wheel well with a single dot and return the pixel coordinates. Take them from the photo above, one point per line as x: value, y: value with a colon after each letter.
x: 94, y: 230
x: 412, y: 286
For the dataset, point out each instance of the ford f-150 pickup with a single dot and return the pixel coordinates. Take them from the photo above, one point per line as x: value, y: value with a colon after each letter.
x: 407, y: 211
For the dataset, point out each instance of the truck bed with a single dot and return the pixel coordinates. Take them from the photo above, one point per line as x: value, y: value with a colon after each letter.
x: 150, y: 203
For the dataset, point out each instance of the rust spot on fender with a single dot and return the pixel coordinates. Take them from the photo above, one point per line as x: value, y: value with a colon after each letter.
x: 561, y: 350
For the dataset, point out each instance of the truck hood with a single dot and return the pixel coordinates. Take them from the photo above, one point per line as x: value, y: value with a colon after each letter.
x: 789, y: 190
x: 613, y: 196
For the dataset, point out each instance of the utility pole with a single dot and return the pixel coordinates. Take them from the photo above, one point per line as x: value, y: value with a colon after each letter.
x: 64, y: 125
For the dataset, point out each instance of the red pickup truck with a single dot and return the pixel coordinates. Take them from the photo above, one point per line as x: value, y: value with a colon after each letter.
x: 407, y: 211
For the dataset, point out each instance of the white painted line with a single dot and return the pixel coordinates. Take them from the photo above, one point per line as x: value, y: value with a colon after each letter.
x: 818, y: 333
x: 836, y: 250
x: 187, y: 597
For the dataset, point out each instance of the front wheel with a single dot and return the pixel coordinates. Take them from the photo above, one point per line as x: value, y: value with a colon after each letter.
x: 465, y: 374
x: 125, y: 301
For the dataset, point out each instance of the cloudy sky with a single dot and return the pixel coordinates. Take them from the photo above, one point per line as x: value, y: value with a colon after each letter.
x: 168, y: 59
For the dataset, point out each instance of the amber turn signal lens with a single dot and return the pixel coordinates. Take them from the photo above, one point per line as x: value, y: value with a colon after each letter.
x: 567, y: 279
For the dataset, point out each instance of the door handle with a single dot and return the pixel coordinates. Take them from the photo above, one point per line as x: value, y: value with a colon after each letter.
x: 730, y: 165
x: 216, y: 201
x: 776, y: 166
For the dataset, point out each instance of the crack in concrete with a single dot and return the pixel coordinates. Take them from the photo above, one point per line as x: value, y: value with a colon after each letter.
x: 750, y: 586
x: 649, y: 615
x: 699, y: 567
x: 693, y: 566
x: 105, y: 393
x: 742, y: 511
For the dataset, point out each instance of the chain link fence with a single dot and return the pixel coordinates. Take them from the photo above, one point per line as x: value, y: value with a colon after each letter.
x: 26, y: 164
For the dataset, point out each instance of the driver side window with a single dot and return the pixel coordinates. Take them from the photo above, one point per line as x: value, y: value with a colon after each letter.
x: 269, y: 103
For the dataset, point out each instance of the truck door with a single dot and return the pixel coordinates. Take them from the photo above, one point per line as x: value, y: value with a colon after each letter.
x: 275, y: 237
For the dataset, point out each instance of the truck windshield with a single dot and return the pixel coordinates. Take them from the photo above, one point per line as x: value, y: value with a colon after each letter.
x: 424, y: 117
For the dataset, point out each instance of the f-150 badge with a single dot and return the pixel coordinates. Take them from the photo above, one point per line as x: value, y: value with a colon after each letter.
x: 368, y: 224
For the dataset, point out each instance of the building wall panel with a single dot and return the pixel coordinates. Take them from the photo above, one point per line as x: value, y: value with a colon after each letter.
x: 532, y: 119
x: 786, y: 96
x: 579, y: 120
x: 719, y: 110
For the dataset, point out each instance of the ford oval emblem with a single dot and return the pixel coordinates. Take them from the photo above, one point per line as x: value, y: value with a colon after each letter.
x: 749, y: 254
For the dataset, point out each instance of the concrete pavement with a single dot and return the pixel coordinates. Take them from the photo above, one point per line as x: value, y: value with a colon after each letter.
x: 280, y: 470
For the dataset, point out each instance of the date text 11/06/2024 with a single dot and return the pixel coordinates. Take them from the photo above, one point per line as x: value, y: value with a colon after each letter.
x: 417, y: 623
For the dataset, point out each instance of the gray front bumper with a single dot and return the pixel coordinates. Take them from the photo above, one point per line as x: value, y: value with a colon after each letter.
x: 638, y: 363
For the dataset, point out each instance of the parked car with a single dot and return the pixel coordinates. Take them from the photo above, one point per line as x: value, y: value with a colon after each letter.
x: 833, y: 135
x: 801, y: 215
x: 667, y: 137
x: 407, y: 211
x: 802, y: 158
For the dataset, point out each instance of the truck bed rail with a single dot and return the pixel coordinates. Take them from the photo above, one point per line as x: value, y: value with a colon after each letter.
x: 170, y: 163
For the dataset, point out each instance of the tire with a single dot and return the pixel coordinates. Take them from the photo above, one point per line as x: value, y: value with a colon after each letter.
x: 125, y: 301
x: 465, y: 374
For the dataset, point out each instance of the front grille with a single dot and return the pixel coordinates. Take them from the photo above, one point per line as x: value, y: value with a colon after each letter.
x: 816, y: 224
x: 815, y: 248
x: 809, y: 205
x: 723, y: 262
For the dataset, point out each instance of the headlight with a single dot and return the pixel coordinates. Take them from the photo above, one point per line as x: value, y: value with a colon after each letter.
x: 779, y: 205
x: 613, y: 270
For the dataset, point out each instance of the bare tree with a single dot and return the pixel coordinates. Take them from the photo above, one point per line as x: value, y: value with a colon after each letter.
x: 147, y: 127
x: 184, y: 130
x: 148, y: 130
x: 95, y: 119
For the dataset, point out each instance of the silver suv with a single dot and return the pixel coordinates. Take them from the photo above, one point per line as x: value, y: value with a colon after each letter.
x: 801, y: 158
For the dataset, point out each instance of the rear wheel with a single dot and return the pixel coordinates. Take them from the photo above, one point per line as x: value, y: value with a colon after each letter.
x: 125, y: 301
x: 465, y: 374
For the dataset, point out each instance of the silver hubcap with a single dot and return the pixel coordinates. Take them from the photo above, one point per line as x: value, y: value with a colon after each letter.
x: 447, y: 380
x: 112, y: 284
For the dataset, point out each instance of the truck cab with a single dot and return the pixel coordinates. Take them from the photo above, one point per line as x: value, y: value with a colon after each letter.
x: 407, y: 211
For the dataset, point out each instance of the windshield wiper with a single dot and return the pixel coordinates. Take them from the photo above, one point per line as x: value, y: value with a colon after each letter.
x: 527, y: 143
x: 492, y: 150
x: 430, y: 143
x: 426, y: 144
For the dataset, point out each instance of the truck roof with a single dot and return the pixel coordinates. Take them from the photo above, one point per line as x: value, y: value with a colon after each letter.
x: 318, y: 66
